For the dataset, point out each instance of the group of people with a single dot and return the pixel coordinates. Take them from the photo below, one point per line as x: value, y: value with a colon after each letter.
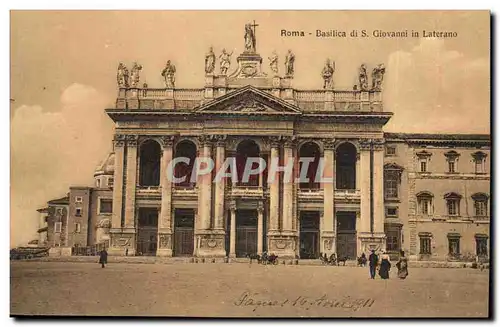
x: 383, y: 264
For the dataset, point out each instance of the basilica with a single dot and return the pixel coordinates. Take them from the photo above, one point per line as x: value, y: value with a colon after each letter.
x: 427, y: 194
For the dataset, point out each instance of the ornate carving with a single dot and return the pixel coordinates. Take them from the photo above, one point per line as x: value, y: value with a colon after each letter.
x: 260, y: 207
x: 289, y: 64
x: 327, y: 74
x: 273, y: 62
x: 211, y: 243
x: 122, y: 241
x: 220, y: 140
x: 210, y: 61
x: 232, y: 205
x: 275, y: 141
x: 122, y: 75
x: 288, y: 141
x: 132, y: 140
x: 378, y: 144
x: 329, y: 144
x: 206, y: 140
x: 249, y: 105
x: 280, y: 244
x: 135, y: 75
x: 119, y: 140
x: 365, y: 144
x: 168, y: 74
x: 363, y: 78
x: 328, y: 244
x: 225, y: 61
x: 168, y: 141
x: 378, y: 77
x: 165, y: 241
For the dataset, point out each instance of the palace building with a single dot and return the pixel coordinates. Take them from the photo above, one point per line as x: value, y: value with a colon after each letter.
x: 427, y: 194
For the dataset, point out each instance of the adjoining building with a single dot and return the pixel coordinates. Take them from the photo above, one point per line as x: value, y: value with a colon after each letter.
x: 426, y: 194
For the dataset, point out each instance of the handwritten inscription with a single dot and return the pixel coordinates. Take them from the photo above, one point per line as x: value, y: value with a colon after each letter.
x: 254, y: 301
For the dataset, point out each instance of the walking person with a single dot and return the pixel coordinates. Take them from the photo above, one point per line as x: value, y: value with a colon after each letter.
x: 373, y: 262
x: 385, y: 266
x: 103, y: 258
x: 402, y: 265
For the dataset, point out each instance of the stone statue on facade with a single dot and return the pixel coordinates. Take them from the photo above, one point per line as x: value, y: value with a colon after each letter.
x: 122, y: 75
x: 225, y: 61
x: 210, y: 61
x: 250, y: 41
x: 327, y: 74
x: 168, y: 74
x: 378, y: 77
x: 289, y: 64
x: 273, y: 62
x: 135, y: 75
x: 363, y: 78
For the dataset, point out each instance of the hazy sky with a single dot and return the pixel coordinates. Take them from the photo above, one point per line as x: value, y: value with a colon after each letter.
x: 63, y: 76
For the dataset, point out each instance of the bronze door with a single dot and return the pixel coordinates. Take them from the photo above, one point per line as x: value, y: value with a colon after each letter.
x: 346, y: 245
x: 246, y: 241
x: 309, y: 245
x: 183, y: 241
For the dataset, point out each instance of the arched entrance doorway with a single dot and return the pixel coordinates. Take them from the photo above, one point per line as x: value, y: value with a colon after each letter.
x: 185, y: 149
x: 311, y: 151
x: 149, y: 169
x: 346, y: 166
x: 247, y: 149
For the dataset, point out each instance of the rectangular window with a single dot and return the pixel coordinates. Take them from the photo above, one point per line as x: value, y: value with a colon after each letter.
x: 391, y: 184
x: 481, y: 246
x: 78, y: 199
x: 454, y: 246
x: 423, y: 166
x: 390, y: 150
x: 451, y: 166
x: 57, y: 227
x: 480, y: 208
x: 425, y: 206
x: 425, y: 245
x: 392, y: 212
x: 78, y: 212
x: 452, y: 207
x: 479, y: 166
x: 110, y: 181
x: 77, y: 228
x: 105, y: 206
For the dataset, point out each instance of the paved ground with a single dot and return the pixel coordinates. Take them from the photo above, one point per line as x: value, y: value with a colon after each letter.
x: 224, y: 290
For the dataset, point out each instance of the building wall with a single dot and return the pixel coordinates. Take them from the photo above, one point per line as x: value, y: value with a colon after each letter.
x: 95, y: 234
x: 74, y: 236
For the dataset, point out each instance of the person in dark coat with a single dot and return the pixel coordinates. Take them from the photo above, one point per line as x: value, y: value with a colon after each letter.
x: 402, y: 265
x: 373, y: 262
x: 385, y: 266
x: 103, y: 258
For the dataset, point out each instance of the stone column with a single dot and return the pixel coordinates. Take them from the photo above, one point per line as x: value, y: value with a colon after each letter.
x: 205, y: 202
x: 378, y: 186
x: 274, y: 189
x: 260, y: 222
x: 328, y: 215
x: 165, y: 221
x: 364, y: 187
x: 131, y: 182
x: 232, y: 234
x: 119, y: 144
x: 118, y: 241
x: 220, y: 156
x: 288, y: 182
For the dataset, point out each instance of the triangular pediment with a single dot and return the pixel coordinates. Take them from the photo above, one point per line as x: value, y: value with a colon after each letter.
x: 249, y: 100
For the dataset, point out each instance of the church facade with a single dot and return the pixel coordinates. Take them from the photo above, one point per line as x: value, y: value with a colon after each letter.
x: 383, y: 191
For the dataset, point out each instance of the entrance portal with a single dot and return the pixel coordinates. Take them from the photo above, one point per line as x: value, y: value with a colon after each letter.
x: 246, y: 232
x: 346, y: 234
x: 183, y: 232
x: 147, y: 231
x: 309, y: 235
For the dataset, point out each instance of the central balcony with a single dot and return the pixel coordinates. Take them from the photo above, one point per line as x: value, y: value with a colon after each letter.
x: 246, y: 191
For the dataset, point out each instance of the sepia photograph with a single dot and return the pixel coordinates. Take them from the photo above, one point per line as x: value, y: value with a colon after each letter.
x: 250, y: 164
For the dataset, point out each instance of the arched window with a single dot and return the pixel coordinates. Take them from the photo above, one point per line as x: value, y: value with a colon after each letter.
x: 309, y: 151
x: 185, y: 149
x: 150, y: 157
x: 480, y: 204
x: 424, y: 200
x: 346, y: 166
x: 453, y: 203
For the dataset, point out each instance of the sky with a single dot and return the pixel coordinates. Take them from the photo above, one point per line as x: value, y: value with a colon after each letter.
x: 63, y: 75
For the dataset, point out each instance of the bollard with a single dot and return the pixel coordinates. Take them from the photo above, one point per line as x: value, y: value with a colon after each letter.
x: 213, y: 260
